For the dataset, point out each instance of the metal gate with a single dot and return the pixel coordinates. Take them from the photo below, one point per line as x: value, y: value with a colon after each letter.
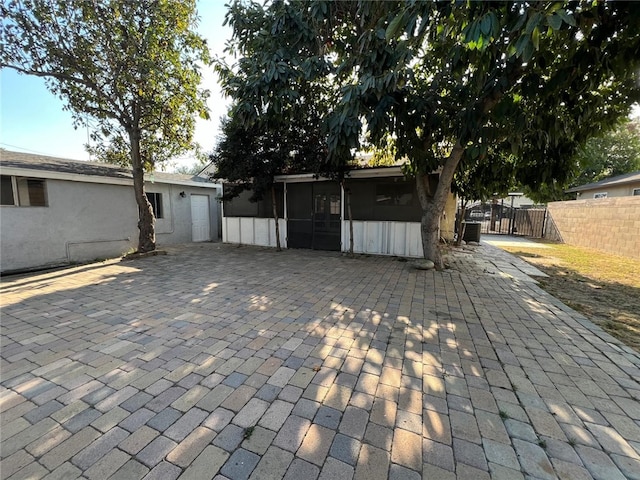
x: 529, y: 222
x: 313, y: 211
x: 499, y: 219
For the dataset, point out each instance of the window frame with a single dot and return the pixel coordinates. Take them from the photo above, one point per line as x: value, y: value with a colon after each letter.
x: 635, y: 192
x: 600, y: 195
x: 16, y: 193
x: 158, y: 213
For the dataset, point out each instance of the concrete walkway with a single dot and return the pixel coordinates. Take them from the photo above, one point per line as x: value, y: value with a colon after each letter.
x: 226, y: 362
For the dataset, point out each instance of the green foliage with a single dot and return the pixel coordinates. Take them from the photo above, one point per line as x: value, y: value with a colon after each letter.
x: 482, y: 176
x: 128, y: 69
x: 249, y: 157
x: 615, y: 152
x: 384, y: 154
x: 192, y: 169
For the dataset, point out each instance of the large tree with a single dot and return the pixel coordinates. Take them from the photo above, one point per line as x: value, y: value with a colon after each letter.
x: 129, y: 69
x: 449, y: 79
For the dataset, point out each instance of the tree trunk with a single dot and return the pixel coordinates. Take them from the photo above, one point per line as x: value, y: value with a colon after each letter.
x: 146, y: 219
x: 274, y: 205
x: 433, y: 205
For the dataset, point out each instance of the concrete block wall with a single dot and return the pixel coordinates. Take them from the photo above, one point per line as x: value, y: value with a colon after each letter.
x: 608, y: 224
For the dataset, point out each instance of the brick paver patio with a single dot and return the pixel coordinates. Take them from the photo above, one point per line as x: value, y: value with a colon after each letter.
x: 226, y: 362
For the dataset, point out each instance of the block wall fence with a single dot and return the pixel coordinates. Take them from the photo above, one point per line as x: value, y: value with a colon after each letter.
x: 608, y: 224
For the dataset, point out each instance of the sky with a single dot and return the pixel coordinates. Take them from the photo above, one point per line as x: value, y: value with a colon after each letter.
x: 33, y: 120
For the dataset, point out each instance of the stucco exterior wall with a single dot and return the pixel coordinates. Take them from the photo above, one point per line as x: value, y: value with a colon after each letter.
x: 175, y: 227
x: 85, y: 221
x: 608, y: 224
x: 448, y: 222
x: 612, y: 191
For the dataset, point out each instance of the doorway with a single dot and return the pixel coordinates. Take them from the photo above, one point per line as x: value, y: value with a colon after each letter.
x: 200, y: 218
x: 313, y: 211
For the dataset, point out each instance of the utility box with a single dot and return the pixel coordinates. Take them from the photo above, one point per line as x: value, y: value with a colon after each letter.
x: 472, y: 232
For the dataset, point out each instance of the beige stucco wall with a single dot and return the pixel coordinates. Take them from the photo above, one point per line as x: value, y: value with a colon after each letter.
x: 447, y: 224
x: 608, y: 224
x: 612, y: 191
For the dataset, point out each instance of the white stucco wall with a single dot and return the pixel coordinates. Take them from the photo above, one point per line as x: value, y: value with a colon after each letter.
x: 175, y: 227
x: 86, y: 221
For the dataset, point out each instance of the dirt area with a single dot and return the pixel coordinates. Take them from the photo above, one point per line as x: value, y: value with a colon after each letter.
x: 603, y: 287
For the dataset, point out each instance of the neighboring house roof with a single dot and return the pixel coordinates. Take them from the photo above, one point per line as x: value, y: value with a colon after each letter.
x: 28, y: 164
x: 617, y: 181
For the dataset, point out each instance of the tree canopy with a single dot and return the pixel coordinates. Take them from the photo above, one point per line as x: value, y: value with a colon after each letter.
x: 615, y: 152
x: 447, y: 80
x: 130, y: 70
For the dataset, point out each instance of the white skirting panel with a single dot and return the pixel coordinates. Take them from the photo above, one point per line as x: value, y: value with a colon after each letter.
x: 384, y: 238
x: 253, y: 231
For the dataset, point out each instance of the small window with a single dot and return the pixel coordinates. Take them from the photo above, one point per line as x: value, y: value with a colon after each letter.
x: 636, y: 192
x: 155, y: 199
x: 23, y: 191
x: 600, y: 195
x: 334, y: 204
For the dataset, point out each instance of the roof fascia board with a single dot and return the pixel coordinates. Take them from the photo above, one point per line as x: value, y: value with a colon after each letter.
x: 75, y: 177
x: 363, y: 173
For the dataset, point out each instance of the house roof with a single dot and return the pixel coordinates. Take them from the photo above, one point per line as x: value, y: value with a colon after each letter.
x: 356, y: 172
x: 617, y: 181
x: 28, y: 164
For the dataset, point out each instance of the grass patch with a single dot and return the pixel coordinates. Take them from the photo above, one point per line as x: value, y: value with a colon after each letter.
x: 603, y: 287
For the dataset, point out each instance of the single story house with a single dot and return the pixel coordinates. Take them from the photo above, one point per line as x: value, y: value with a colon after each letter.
x: 56, y: 211
x: 626, y: 185
x: 314, y: 214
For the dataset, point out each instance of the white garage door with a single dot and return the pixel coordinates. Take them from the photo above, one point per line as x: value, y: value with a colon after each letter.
x: 200, y: 227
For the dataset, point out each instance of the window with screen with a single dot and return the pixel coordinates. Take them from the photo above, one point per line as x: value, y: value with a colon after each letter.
x: 385, y: 199
x: 242, y: 206
x: 400, y: 194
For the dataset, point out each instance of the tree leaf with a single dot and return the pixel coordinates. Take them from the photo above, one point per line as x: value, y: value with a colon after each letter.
x: 567, y: 17
x: 535, y: 38
x: 555, y: 21
x: 395, y: 26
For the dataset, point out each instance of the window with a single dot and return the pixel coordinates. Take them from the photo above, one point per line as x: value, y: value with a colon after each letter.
x: 334, y: 204
x: 6, y: 191
x: 23, y: 191
x: 155, y: 199
x: 636, y: 192
x: 600, y: 195
x: 394, y: 194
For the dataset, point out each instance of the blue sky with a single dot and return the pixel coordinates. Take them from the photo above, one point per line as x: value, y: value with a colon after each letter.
x: 33, y: 120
